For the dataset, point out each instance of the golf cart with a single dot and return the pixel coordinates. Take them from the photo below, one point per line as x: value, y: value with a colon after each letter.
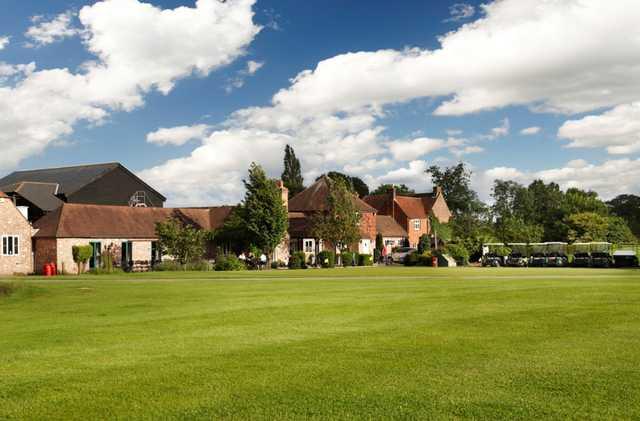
x: 626, y: 256
x: 493, y: 254
x: 601, y: 255
x: 538, y: 255
x: 581, y: 255
x: 556, y: 254
x: 519, y: 256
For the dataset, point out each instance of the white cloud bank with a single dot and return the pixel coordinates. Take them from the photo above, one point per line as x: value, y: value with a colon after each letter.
x: 530, y: 131
x: 47, y: 32
x: 509, y: 56
x: 139, y: 48
x: 178, y: 135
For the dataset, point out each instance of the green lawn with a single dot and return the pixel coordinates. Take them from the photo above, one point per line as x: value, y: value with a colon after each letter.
x: 356, y: 343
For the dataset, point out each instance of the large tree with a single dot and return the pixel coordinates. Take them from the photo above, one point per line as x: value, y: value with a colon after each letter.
x: 292, y: 174
x: 401, y: 189
x: 627, y: 206
x: 511, y: 213
x: 586, y: 227
x: 355, y: 184
x: 182, y: 241
x: 339, y: 224
x: 455, y: 182
x: 263, y: 213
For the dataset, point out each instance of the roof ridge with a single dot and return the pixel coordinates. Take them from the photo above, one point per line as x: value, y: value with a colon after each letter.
x: 67, y: 166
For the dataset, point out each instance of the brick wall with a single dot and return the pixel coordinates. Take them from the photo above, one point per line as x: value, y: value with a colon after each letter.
x: 414, y: 235
x: 441, y: 210
x: 368, y: 225
x: 13, y: 223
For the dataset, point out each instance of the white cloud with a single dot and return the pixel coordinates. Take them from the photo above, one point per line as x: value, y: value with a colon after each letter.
x: 501, y: 131
x: 4, y: 41
x: 178, y: 135
x: 139, y: 48
x: 416, y: 148
x: 48, y: 32
x: 529, y: 131
x: 617, y: 130
x: 516, y: 58
x: 460, y: 11
x: 609, y: 179
x: 453, y: 132
x: 238, y: 80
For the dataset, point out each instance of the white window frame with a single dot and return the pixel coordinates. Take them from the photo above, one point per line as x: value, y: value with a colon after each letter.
x: 10, y: 245
x: 417, y: 225
x: 309, y: 246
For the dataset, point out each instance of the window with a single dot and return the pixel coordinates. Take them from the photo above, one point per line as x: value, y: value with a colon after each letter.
x: 95, y: 260
x: 156, y: 255
x: 417, y: 224
x: 10, y: 245
x: 309, y: 246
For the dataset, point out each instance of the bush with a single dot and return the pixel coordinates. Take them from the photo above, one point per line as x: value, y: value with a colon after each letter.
x: 167, y: 266
x: 275, y: 265
x: 365, y: 260
x: 424, y: 243
x: 81, y: 255
x: 425, y: 259
x: 458, y: 252
x: 376, y: 255
x: 349, y: 258
x: 229, y: 263
x: 411, y: 259
x: 199, y: 266
x: 103, y: 271
x: 327, y: 259
x: 297, y: 261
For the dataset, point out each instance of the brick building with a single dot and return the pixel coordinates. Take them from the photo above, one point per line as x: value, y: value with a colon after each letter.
x: 16, y: 256
x: 412, y: 212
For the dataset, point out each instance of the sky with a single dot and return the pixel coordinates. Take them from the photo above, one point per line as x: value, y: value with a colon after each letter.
x: 188, y: 93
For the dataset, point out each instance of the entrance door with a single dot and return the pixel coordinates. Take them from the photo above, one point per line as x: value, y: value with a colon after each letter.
x: 127, y: 255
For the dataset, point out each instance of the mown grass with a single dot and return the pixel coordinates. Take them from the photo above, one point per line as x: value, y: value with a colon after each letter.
x: 320, y: 344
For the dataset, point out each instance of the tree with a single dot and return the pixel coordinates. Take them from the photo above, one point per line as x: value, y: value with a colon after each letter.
x: 263, y: 213
x: 456, y: 187
x: 402, y: 189
x: 355, y: 184
x: 577, y: 201
x: 619, y: 231
x: 586, y: 227
x: 511, y: 213
x: 379, y: 242
x: 292, y: 174
x: 81, y: 255
x: 184, y: 242
x: 339, y: 223
x: 627, y: 206
x: 547, y: 210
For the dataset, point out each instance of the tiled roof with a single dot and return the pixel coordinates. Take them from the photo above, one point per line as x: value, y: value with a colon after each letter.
x: 413, y: 207
x: 42, y: 195
x: 388, y: 227
x: 98, y: 221
x: 314, y: 199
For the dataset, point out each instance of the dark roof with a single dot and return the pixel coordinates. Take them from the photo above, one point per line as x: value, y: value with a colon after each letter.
x: 42, y: 195
x: 299, y: 225
x: 98, y: 221
x: 69, y: 179
x: 382, y: 202
x: 388, y: 227
x: 314, y: 199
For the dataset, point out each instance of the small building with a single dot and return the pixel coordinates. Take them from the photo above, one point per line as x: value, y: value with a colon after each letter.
x: 313, y: 200
x: 127, y: 233
x: 44, y: 190
x: 393, y: 235
x: 16, y: 232
x: 412, y: 212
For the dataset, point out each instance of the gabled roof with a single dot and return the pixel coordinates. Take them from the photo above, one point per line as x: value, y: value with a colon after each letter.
x: 98, y: 221
x: 413, y: 207
x: 388, y: 227
x: 42, y: 195
x: 315, y: 198
x: 69, y: 179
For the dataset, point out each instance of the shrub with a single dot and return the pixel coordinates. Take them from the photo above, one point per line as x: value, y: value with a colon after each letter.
x: 365, y: 260
x: 81, y: 255
x: 103, y: 271
x: 297, y: 261
x: 424, y: 243
x: 167, y: 266
x: 229, y: 263
x: 275, y: 265
x: 376, y: 255
x: 458, y: 252
x: 200, y: 266
x: 425, y: 259
x: 411, y: 259
x: 349, y: 258
x: 327, y: 259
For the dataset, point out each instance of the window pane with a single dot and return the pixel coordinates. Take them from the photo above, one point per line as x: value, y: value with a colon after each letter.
x: 4, y: 245
x: 15, y: 246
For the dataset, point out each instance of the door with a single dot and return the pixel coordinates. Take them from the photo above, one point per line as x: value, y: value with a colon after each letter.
x: 96, y: 256
x: 127, y: 254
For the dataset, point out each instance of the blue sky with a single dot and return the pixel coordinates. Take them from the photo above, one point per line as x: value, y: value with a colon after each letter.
x: 387, y: 101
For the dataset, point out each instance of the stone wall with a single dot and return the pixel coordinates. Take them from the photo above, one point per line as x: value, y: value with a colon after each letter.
x: 12, y: 222
x: 141, y: 250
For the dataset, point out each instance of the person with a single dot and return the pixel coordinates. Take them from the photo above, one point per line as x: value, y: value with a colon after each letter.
x: 384, y: 253
x: 263, y: 261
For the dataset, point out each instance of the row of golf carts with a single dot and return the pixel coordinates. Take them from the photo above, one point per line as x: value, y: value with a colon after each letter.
x: 554, y: 254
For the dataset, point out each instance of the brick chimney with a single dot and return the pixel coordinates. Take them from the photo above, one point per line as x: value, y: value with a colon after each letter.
x: 285, y: 193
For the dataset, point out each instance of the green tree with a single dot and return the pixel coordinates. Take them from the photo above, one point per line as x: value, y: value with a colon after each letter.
x: 379, y: 242
x: 627, y: 206
x: 339, y: 224
x: 263, y: 213
x: 292, y: 174
x: 547, y: 210
x: 456, y: 187
x: 619, y: 231
x: 81, y: 255
x: 402, y: 189
x: 355, y: 184
x: 511, y: 213
x: 586, y: 227
x: 182, y: 241
x: 578, y: 201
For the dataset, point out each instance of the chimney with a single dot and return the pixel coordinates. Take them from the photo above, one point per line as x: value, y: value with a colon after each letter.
x: 437, y: 191
x: 285, y: 193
